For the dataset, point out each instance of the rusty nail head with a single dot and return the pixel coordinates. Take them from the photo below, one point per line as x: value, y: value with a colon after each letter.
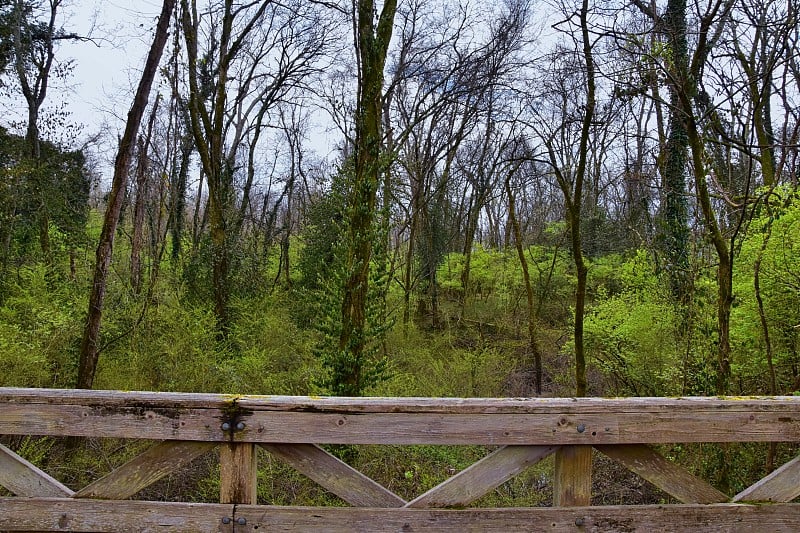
x: 226, y: 519
x: 241, y: 521
x: 581, y: 428
x: 240, y: 426
x: 226, y: 426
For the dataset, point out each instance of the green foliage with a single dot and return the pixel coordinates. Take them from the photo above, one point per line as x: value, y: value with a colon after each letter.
x: 497, y: 285
x: 446, y: 365
x: 325, y: 269
x: 56, y: 185
x: 632, y: 333
x: 39, y: 329
x: 777, y: 231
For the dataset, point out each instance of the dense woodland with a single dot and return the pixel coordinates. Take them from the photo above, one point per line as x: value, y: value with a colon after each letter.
x: 523, y: 198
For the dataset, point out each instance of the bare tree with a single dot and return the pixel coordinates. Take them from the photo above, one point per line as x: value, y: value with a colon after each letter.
x: 257, y: 53
x: 90, y: 349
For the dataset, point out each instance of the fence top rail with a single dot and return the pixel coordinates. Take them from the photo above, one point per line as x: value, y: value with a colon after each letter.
x: 326, y: 404
x: 322, y: 420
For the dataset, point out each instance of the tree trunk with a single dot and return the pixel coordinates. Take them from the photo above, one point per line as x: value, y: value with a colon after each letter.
x: 574, y: 212
x: 137, y: 237
x: 373, y: 43
x: 674, y: 229
x: 724, y: 257
x: 140, y: 203
x: 90, y: 349
x: 533, y: 343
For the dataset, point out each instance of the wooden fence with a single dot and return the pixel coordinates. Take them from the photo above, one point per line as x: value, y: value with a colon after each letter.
x: 524, y: 431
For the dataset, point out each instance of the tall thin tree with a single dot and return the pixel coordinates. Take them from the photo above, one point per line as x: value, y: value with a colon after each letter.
x: 90, y: 348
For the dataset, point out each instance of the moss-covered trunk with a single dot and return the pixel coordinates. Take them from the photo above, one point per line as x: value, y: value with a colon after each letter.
x: 373, y: 43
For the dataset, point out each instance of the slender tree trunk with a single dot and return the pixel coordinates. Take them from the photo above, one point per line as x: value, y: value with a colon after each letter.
x: 137, y: 236
x: 762, y: 315
x: 533, y: 343
x: 178, y: 199
x: 408, y: 281
x: 140, y: 203
x: 574, y: 212
x: 724, y: 258
x: 90, y: 349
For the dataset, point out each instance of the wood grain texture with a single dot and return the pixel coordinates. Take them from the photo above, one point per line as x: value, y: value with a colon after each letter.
x: 320, y: 404
x: 666, y: 475
x: 782, y: 485
x: 572, y: 480
x: 335, y: 475
x: 51, y: 514
x: 482, y: 477
x: 270, y: 419
x: 238, y: 468
x: 722, y: 518
x: 517, y: 429
x: 25, y: 479
x: 145, y: 469
x: 127, y: 422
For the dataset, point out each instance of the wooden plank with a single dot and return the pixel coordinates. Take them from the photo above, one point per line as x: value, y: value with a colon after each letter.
x: 782, y: 485
x: 482, y: 477
x: 572, y: 483
x: 666, y: 475
x: 545, y: 422
x: 335, y: 475
x: 722, y: 518
x: 145, y: 469
x: 517, y: 429
x: 128, y: 422
x: 238, y: 468
x: 26, y: 479
x: 550, y: 429
x: 51, y: 514
x: 114, y: 398
x: 318, y: 404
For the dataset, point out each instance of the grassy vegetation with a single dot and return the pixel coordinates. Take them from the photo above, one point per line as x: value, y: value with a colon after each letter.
x: 636, y: 340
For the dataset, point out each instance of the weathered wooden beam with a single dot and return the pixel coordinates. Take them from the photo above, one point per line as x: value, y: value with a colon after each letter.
x: 119, y: 516
x: 238, y: 468
x: 572, y: 483
x: 26, y: 479
x: 66, y: 514
x: 782, y: 485
x: 335, y: 475
x: 666, y: 475
x: 543, y: 422
x: 127, y: 422
x: 145, y: 469
x: 335, y: 404
x: 482, y: 477
x: 322, y: 404
x: 719, y: 518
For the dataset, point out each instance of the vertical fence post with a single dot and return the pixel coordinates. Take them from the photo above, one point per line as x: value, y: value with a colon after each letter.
x: 237, y: 472
x: 573, y: 476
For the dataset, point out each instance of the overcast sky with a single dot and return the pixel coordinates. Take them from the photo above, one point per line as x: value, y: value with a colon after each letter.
x: 107, y: 69
x: 98, y: 93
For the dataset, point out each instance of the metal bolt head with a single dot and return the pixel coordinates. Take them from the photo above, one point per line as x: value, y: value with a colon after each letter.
x: 226, y: 520
x: 579, y: 522
x: 581, y: 428
x: 226, y: 426
x: 241, y: 521
x: 240, y: 426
